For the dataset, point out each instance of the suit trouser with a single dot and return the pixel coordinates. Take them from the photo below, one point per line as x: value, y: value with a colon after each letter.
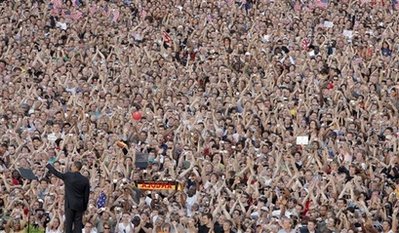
x: 73, y: 221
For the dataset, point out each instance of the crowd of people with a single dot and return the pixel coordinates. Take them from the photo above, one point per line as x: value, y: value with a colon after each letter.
x: 273, y: 115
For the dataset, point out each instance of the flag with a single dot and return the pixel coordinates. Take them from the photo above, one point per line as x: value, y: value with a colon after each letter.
x: 321, y: 4
x: 76, y: 15
x: 115, y: 15
x: 167, y: 39
x: 159, y: 185
x: 57, y: 3
x: 305, y: 43
x: 102, y: 199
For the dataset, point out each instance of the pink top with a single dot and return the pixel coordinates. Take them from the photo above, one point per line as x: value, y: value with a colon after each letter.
x: 115, y: 15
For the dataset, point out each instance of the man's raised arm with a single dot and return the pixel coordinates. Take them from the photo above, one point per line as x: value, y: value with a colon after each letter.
x: 55, y: 172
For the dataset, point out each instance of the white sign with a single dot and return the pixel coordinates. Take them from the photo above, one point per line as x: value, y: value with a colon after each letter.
x: 302, y: 140
x: 328, y: 24
x: 348, y: 34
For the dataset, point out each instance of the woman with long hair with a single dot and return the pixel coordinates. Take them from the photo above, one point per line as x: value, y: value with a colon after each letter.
x: 55, y: 226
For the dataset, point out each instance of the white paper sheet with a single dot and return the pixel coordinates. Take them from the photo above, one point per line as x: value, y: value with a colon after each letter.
x: 302, y: 140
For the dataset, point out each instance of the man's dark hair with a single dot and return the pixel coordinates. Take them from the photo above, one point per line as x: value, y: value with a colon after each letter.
x: 45, y: 180
x: 209, y: 216
x: 78, y: 165
x: 313, y: 221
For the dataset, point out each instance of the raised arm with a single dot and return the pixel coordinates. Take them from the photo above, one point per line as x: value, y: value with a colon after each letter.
x: 55, y: 172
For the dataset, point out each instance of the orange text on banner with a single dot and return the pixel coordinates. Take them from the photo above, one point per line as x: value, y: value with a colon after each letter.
x: 156, y: 185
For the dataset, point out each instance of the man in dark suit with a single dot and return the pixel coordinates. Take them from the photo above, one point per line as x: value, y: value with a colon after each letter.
x: 77, y: 190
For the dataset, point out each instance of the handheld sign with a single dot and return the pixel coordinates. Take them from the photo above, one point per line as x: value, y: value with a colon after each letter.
x: 302, y: 140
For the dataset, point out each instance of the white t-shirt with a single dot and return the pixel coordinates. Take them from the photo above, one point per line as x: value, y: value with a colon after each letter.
x: 122, y: 228
x: 284, y: 231
x: 93, y: 230
x: 48, y: 230
x: 189, y: 203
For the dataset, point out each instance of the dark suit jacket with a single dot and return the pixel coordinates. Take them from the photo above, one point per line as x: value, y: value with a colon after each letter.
x: 77, y: 189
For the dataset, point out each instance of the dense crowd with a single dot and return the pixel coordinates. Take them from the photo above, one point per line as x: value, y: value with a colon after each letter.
x: 273, y: 115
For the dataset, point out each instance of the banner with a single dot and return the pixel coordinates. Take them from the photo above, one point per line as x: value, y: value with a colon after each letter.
x: 158, y: 185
